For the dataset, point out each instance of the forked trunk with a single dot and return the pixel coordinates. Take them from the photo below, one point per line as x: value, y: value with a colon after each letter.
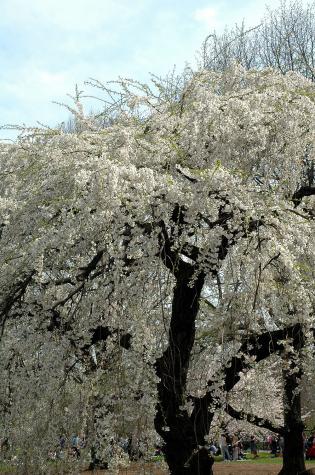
x: 183, y: 439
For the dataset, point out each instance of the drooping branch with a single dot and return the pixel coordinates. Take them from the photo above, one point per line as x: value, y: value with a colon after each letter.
x: 253, y: 419
x: 258, y: 346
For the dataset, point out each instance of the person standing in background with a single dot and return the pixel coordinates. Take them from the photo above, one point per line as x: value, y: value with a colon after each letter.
x: 224, y: 448
x: 235, y: 447
x: 253, y: 447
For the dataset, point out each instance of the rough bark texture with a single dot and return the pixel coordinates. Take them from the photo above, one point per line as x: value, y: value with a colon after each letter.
x: 293, y: 454
x: 173, y: 422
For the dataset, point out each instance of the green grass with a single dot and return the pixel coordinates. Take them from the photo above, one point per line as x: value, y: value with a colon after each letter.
x: 6, y: 469
x: 264, y: 457
x: 157, y: 458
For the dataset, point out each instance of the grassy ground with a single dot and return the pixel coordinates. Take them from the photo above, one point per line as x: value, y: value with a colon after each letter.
x: 4, y: 468
x: 264, y: 465
x: 265, y: 458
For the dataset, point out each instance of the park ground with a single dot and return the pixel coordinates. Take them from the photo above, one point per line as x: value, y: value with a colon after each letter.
x: 264, y: 465
x: 219, y: 469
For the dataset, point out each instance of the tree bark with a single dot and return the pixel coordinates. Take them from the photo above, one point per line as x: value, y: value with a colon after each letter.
x: 293, y: 453
x: 184, y: 451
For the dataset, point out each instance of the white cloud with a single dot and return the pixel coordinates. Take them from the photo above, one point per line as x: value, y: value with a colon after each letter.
x: 206, y: 16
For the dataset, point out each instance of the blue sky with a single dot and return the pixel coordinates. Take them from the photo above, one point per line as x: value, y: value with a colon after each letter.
x: 48, y: 46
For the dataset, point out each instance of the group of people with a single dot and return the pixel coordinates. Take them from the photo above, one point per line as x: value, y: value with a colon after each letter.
x: 232, y: 447
x: 276, y: 445
x: 72, y: 447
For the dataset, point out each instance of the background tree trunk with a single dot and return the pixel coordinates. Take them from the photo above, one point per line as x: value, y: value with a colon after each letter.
x: 293, y: 453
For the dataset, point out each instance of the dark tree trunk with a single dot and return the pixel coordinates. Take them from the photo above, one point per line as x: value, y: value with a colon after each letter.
x: 293, y: 453
x: 183, y: 439
x: 184, y: 457
x: 183, y: 434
